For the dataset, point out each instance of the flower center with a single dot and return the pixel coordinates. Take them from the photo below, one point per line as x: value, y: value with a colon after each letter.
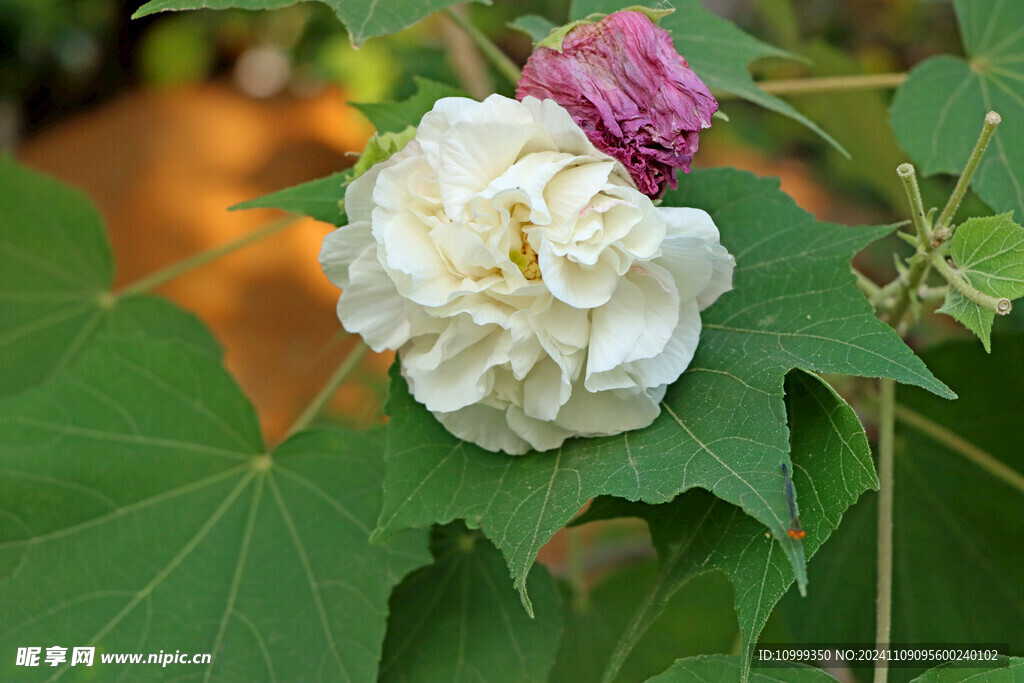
x: 524, y: 257
x: 526, y: 260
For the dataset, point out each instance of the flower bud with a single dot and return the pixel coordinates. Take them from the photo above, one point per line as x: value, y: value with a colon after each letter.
x: 625, y: 85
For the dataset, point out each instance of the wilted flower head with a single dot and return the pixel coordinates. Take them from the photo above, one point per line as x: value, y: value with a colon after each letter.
x: 636, y: 98
x: 532, y: 292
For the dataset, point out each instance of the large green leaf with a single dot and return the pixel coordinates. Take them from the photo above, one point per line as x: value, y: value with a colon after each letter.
x: 697, y: 532
x: 141, y: 512
x: 459, y: 620
x: 55, y: 283
x: 722, y: 426
x: 363, y: 18
x: 959, y: 518
x: 725, y: 668
x: 716, y: 50
x: 938, y: 112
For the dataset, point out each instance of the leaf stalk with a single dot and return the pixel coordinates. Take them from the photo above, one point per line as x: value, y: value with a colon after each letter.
x: 164, y: 275
x: 992, y: 121
x: 350, y: 363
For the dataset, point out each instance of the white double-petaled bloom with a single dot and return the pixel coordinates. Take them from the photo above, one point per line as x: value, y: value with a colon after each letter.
x: 532, y: 292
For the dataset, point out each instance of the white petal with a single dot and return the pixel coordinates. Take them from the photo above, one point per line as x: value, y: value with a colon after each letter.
x: 485, y: 426
x: 341, y: 248
x: 668, y: 365
x: 723, y: 265
x: 463, y: 378
x: 470, y: 160
x: 407, y: 248
x: 607, y: 412
x: 545, y: 391
x: 661, y: 309
x: 541, y: 435
x: 578, y: 285
x: 616, y: 327
x: 372, y: 307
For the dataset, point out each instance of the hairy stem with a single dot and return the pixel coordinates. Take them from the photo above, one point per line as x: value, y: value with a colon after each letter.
x: 992, y: 121
x: 908, y: 175
x: 867, y: 285
x: 327, y: 393
x: 154, y: 280
x: 800, y: 86
x: 998, y: 305
x: 883, y: 603
x: 499, y: 59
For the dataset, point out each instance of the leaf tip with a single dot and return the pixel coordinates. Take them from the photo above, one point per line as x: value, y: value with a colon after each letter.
x: 524, y: 596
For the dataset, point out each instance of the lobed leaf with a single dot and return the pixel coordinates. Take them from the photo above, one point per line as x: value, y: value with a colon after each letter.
x: 723, y: 424
x: 938, y: 112
x: 142, y: 512
x: 55, y: 284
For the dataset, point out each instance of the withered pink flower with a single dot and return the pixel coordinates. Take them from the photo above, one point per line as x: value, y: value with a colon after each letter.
x: 625, y: 85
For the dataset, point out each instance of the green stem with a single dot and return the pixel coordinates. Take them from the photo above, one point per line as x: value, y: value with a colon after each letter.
x: 154, y: 280
x: 866, y: 285
x: 909, y: 177
x: 327, y: 393
x: 883, y: 605
x: 992, y: 120
x: 932, y: 294
x: 998, y: 305
x: 498, y: 58
x: 800, y: 86
x: 914, y: 277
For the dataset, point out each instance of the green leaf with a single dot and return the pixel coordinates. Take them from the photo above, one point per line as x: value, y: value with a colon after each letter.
x: 394, y: 117
x: 728, y: 668
x: 938, y: 112
x: 959, y: 518
x: 989, y: 252
x: 142, y: 513
x: 459, y: 620
x: 722, y: 426
x: 697, y: 533
x: 320, y: 199
x: 698, y: 619
x: 362, y: 19
x: 534, y: 26
x: 1010, y: 670
x: 717, y: 51
x: 969, y: 314
x: 55, y: 296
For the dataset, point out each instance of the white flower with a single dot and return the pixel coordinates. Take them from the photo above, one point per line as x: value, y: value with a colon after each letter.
x: 532, y: 291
